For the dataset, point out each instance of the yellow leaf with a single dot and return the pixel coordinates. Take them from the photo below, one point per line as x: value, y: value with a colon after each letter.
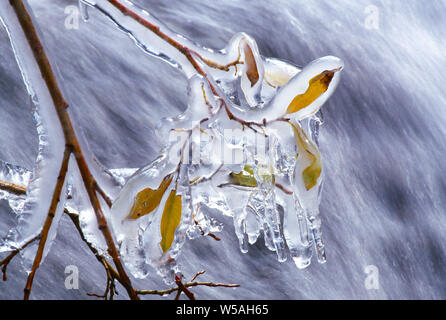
x: 148, y: 199
x: 317, y: 86
x: 170, y: 220
x: 251, y: 67
x: 311, y: 174
x: 245, y: 178
x: 308, y: 153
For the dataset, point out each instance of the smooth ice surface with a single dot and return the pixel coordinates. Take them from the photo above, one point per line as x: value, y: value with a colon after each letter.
x: 382, y: 140
x: 50, y: 147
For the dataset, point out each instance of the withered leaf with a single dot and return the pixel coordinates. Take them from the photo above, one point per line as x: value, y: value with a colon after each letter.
x: 170, y: 220
x: 148, y: 199
x: 317, y: 86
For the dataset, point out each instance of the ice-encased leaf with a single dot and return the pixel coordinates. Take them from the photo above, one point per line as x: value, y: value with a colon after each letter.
x: 129, y: 233
x: 308, y: 157
x: 244, y: 178
x: 278, y: 72
x: 305, y: 93
x: 170, y: 220
x: 316, y: 87
x: 148, y: 199
x: 252, y: 69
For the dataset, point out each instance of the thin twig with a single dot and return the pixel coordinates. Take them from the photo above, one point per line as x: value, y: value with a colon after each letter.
x: 110, y: 288
x: 48, y: 222
x: 183, y: 288
x: 12, y: 188
x: 188, y: 53
x: 186, y: 285
x: 13, y: 253
x: 210, y: 234
x: 197, y: 275
x: 112, y: 274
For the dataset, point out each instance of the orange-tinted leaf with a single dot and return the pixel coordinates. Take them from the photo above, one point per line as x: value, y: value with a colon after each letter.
x: 317, y: 86
x: 251, y: 67
x: 148, y: 199
x: 170, y: 220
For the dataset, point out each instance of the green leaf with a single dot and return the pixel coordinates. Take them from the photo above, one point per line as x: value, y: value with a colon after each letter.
x: 170, y: 220
x: 245, y: 178
x: 148, y: 199
x: 317, y: 86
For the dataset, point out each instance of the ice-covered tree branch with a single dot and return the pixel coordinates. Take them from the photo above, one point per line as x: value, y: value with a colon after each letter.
x: 35, y: 55
x: 167, y: 201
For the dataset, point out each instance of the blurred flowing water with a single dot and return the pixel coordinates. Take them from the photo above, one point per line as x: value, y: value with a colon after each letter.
x: 383, y: 140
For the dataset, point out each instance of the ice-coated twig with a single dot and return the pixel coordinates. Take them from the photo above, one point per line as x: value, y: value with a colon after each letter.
x: 4, y: 263
x: 183, y: 287
x: 112, y: 8
x: 12, y: 188
x: 49, y: 220
x: 300, y: 94
x: 33, y: 42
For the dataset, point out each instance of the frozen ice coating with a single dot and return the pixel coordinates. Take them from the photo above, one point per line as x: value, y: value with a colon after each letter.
x: 147, y: 41
x: 201, y: 106
x: 78, y: 203
x: 252, y: 70
x: 245, y: 149
x: 52, y: 233
x: 121, y: 175
x: 278, y: 72
x: 382, y: 147
x: 129, y: 233
x: 232, y: 151
x: 51, y: 142
x: 19, y: 176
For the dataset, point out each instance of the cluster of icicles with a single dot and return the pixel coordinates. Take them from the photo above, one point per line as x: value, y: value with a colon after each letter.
x: 260, y: 110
